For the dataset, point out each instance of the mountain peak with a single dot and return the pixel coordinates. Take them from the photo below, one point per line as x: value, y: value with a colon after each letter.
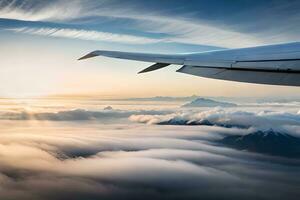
x: 203, y: 102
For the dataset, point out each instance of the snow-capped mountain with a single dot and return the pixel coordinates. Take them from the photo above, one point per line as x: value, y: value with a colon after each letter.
x: 202, y: 102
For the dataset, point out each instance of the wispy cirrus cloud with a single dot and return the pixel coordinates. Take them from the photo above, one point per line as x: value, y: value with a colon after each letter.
x: 85, y: 35
x: 179, y: 29
x: 40, y: 10
x: 187, y: 28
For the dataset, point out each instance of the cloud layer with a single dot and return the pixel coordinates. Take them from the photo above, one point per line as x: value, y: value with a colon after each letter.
x: 76, y: 114
x: 86, y: 162
x: 70, y: 154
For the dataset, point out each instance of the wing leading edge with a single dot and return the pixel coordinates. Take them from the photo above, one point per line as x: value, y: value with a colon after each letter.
x: 274, y: 64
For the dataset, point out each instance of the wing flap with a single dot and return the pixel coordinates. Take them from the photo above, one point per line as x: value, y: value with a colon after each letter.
x: 260, y: 77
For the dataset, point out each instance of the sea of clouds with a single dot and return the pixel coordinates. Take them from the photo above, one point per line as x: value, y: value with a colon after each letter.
x: 154, y: 154
x: 131, y: 162
x: 241, y: 117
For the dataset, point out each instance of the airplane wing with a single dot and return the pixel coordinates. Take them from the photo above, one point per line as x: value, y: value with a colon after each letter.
x: 161, y: 60
x: 273, y: 64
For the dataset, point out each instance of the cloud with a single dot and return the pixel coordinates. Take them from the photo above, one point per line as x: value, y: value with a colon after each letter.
x: 40, y: 10
x: 225, y: 118
x: 199, y: 32
x: 50, y: 155
x: 184, y: 28
x: 180, y: 30
x: 134, y: 163
x: 253, y: 25
x: 75, y: 115
x: 85, y: 35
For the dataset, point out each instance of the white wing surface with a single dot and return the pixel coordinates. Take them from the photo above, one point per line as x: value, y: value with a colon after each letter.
x: 273, y: 64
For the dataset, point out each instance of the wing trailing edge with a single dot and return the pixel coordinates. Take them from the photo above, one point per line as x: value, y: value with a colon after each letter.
x: 245, y: 75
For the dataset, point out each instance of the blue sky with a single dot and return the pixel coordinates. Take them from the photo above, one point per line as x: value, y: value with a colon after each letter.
x: 73, y: 28
x: 193, y: 23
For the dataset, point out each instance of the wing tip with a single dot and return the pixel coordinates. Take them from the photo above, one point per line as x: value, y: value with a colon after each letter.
x: 89, y: 55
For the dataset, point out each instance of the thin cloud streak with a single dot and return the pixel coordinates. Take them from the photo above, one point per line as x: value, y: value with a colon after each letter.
x: 37, y: 11
x: 85, y: 35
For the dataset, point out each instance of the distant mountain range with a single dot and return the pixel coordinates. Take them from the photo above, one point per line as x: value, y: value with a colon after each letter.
x: 188, y: 98
x: 267, y: 142
x: 202, y: 102
x: 218, y: 98
x: 162, y: 98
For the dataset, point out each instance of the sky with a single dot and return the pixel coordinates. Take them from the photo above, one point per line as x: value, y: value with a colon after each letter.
x: 64, y: 147
x: 41, y: 41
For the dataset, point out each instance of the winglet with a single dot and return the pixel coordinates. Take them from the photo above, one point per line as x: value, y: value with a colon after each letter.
x: 90, y: 55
